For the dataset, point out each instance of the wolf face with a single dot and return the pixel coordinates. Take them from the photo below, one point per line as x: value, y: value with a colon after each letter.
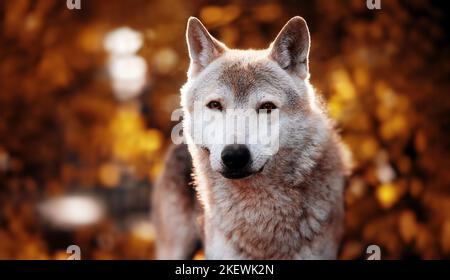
x: 271, y: 84
x: 276, y: 199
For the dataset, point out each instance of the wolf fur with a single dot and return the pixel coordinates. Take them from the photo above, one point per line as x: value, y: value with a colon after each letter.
x: 291, y: 207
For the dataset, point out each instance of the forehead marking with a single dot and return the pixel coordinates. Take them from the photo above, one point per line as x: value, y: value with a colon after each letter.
x: 239, y: 78
x: 242, y: 78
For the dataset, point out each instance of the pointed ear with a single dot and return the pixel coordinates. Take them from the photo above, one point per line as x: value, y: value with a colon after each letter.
x: 203, y: 48
x: 291, y: 47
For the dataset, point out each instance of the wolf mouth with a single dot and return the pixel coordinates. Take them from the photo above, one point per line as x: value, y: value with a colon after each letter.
x: 240, y: 174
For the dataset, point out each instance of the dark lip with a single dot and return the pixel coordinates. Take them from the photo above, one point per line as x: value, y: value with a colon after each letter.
x: 236, y: 175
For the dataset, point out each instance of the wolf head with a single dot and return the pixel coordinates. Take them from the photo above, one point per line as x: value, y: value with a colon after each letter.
x: 273, y: 81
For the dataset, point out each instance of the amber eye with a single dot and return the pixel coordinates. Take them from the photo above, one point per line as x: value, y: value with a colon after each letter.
x: 269, y: 106
x: 214, y: 105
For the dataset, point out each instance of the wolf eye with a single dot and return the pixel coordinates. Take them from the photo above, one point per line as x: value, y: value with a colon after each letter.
x: 214, y: 105
x: 269, y: 106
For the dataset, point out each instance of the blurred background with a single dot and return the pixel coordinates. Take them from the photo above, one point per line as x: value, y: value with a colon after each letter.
x: 86, y: 97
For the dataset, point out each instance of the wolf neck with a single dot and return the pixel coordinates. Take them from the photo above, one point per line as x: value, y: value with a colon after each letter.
x: 268, y: 217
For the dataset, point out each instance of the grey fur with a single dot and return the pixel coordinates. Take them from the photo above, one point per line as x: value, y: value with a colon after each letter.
x: 293, y: 208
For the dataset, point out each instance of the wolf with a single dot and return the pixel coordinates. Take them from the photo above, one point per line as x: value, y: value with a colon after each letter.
x: 234, y: 199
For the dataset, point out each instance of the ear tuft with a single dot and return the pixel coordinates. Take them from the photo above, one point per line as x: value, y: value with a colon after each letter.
x: 203, y: 48
x: 291, y: 47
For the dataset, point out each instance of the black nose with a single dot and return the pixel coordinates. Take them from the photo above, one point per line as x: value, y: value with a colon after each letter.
x: 235, y: 156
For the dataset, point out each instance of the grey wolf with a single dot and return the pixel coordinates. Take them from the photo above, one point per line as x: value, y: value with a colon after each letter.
x: 235, y: 199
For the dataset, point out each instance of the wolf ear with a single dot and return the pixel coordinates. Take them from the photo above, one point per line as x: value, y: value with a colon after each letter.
x: 203, y: 48
x: 291, y: 47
